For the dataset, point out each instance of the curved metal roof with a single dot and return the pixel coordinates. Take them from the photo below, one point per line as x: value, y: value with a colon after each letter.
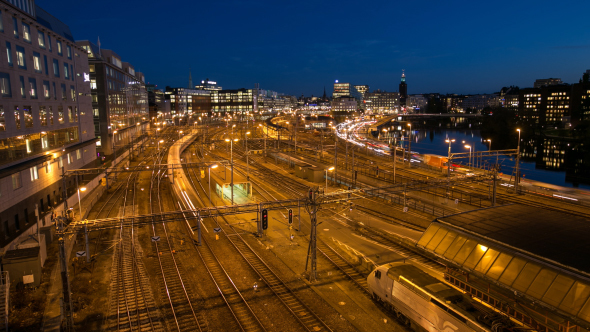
x: 541, y: 254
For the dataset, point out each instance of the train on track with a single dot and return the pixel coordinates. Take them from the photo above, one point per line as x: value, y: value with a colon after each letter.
x: 425, y: 303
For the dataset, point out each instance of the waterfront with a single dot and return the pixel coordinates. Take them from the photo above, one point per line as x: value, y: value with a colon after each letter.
x: 547, y: 160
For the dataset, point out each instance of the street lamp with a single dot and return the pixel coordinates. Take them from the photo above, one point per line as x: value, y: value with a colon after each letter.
x: 410, y: 145
x: 231, y: 144
x: 210, y: 197
x: 449, y: 159
x: 469, y: 147
x: 160, y: 141
x: 517, y: 162
x: 82, y: 189
x: 247, y: 163
x: 328, y: 169
x: 114, y: 150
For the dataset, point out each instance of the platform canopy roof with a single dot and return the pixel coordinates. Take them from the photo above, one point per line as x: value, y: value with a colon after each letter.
x: 539, y: 253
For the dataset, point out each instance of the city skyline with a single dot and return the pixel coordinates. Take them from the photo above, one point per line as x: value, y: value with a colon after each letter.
x: 298, y: 50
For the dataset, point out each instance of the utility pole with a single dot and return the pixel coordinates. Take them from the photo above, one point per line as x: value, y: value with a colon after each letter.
x: 312, y: 207
x: 335, y: 158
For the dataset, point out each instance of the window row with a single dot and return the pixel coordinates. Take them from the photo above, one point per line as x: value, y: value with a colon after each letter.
x: 39, y: 65
x: 24, y: 29
x: 28, y: 88
x: 24, y: 118
x: 20, y: 147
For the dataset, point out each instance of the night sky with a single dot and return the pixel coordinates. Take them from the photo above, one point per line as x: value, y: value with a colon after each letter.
x: 299, y: 47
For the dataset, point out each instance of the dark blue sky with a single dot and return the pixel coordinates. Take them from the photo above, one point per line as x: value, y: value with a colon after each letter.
x: 299, y: 47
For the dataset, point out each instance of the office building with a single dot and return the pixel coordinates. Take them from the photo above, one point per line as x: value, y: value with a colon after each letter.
x: 346, y: 104
x: 362, y: 90
x: 159, y: 106
x: 206, y: 84
x: 234, y: 102
x: 509, y: 97
x: 341, y: 90
x: 119, y: 99
x: 479, y: 102
x: 547, y: 81
x: 381, y: 101
x: 45, y: 115
x: 186, y: 103
x: 416, y: 102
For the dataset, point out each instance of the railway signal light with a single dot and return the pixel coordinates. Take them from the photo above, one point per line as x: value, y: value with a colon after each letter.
x: 264, y: 219
x: 290, y: 216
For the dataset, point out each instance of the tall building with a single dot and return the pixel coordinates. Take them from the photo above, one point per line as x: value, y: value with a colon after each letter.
x: 344, y: 104
x: 403, y: 90
x: 45, y: 115
x: 119, y: 98
x: 206, y: 84
x: 479, y: 102
x: 547, y: 81
x: 238, y: 102
x: 361, y: 89
x: 380, y: 101
x: 341, y: 90
x: 185, y: 102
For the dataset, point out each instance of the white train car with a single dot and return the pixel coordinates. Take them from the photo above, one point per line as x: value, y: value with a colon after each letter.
x: 428, y: 304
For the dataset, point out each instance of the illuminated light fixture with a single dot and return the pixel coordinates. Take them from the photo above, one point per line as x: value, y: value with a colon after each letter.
x: 483, y: 248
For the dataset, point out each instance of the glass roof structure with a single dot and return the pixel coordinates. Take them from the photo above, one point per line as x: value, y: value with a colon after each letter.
x: 480, y: 242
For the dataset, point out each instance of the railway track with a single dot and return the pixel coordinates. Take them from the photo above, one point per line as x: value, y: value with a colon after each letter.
x: 132, y: 306
x: 182, y: 314
x: 306, y: 317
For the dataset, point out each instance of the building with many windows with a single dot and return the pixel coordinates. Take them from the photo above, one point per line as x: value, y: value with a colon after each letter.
x: 185, y: 103
x: 346, y: 104
x: 207, y: 84
x: 119, y: 98
x: 235, y: 102
x: 381, y: 101
x: 45, y: 115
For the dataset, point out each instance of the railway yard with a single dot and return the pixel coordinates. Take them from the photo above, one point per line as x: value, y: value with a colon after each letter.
x: 169, y: 252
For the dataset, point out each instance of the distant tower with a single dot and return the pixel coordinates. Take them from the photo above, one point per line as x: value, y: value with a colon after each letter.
x: 190, y: 79
x: 403, y: 90
x: 324, y: 98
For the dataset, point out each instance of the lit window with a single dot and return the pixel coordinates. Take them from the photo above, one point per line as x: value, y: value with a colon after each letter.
x: 5, y: 90
x: 20, y: 57
x: 41, y: 39
x: 9, y: 53
x: 69, y: 51
x: 59, y: 50
x: 33, y: 88
x: 34, y: 173
x: 37, y: 62
x: 26, y: 33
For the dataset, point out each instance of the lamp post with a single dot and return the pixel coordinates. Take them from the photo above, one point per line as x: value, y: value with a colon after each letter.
x: 449, y: 159
x: 82, y: 189
x: 114, y: 150
x: 328, y: 169
x: 516, y: 182
x: 410, y: 145
x: 160, y: 141
x: 231, y: 183
x: 247, y: 160
x: 469, y: 147
x: 210, y: 197
x: 179, y: 134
